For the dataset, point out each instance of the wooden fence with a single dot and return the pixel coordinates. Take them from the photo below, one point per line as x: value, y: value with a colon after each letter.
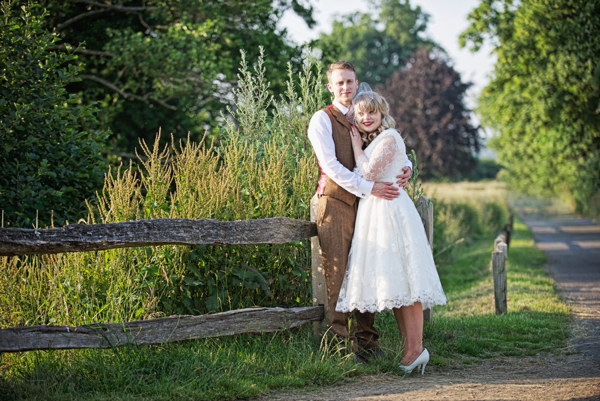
x: 499, y: 255
x: 82, y: 237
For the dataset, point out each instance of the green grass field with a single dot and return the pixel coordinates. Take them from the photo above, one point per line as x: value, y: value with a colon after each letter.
x: 464, y: 331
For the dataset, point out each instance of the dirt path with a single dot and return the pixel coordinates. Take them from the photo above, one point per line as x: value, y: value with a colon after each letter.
x: 573, y: 249
x: 574, y: 377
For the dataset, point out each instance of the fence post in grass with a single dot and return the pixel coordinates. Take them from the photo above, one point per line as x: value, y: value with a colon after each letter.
x: 501, y: 238
x: 319, y: 288
x: 499, y: 272
x: 508, y: 229
x: 426, y: 209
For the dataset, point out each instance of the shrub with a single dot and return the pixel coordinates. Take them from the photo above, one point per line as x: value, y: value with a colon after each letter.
x: 48, y: 162
x: 492, y: 216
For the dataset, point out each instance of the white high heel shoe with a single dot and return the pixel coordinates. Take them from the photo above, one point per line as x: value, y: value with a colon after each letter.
x: 421, y: 361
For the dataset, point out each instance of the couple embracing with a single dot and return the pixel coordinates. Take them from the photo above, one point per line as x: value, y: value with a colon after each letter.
x: 375, y: 251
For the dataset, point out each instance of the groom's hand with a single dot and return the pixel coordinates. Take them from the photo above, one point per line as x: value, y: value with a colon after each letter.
x: 385, y: 190
x: 404, y: 177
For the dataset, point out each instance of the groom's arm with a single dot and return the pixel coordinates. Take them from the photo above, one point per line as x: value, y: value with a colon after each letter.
x: 320, y: 134
x: 404, y: 176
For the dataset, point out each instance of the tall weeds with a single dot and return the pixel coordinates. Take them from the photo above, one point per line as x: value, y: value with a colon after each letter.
x: 263, y: 167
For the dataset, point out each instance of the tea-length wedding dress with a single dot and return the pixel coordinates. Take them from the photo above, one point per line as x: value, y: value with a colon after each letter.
x: 390, y: 262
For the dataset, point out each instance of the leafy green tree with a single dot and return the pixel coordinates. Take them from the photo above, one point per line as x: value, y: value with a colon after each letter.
x: 377, y: 46
x: 169, y: 63
x: 544, y: 96
x: 48, y: 162
x: 426, y: 99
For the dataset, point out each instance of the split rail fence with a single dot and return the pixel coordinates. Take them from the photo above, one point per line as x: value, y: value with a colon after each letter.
x: 81, y: 238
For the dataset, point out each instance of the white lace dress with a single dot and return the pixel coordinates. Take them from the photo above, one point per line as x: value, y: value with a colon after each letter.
x: 390, y: 263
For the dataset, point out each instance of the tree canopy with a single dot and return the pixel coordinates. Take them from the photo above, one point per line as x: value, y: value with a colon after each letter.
x: 426, y: 99
x: 544, y: 96
x: 377, y: 46
x: 169, y: 63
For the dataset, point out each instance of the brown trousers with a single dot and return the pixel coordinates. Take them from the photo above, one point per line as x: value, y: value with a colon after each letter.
x: 335, y: 226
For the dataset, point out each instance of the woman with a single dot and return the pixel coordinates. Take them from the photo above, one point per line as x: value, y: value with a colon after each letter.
x: 390, y: 265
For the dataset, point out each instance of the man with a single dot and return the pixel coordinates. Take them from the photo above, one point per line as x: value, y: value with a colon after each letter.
x: 338, y: 190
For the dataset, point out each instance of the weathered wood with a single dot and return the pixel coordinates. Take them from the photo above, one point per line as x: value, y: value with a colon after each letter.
x: 501, y: 238
x: 156, y: 331
x: 95, y: 237
x: 426, y: 209
x: 319, y: 286
x: 499, y: 273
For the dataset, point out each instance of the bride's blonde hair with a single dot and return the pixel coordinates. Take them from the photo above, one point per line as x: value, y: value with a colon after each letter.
x: 373, y: 101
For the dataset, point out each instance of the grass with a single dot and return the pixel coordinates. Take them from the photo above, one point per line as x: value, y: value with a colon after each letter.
x: 471, y: 192
x: 245, y: 366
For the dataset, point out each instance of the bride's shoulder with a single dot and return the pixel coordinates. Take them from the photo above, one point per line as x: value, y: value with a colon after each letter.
x: 392, y: 132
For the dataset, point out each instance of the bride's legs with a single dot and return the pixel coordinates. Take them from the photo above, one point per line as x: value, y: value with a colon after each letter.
x: 411, y: 317
x: 401, y: 326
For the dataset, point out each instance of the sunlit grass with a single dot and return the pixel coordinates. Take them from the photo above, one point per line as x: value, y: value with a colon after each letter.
x: 468, y: 192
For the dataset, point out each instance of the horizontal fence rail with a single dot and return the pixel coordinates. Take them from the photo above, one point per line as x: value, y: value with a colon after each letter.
x: 96, y: 237
x: 157, y: 331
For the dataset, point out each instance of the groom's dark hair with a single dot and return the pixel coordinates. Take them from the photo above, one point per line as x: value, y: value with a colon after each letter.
x: 340, y: 65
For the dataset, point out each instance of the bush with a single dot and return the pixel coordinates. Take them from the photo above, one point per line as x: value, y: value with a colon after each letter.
x: 48, y: 162
x: 493, y: 216
x: 456, y: 222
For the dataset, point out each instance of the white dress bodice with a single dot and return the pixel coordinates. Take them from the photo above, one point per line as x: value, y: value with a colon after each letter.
x: 385, y: 157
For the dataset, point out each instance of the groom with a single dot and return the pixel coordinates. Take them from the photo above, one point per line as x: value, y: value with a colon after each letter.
x: 338, y: 190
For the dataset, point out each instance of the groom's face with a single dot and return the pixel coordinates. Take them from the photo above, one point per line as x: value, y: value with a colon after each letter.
x: 342, y: 84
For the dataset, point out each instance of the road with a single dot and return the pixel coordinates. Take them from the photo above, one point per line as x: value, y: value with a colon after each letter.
x: 572, y: 245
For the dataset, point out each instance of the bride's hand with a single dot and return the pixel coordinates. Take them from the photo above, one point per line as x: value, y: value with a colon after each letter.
x: 357, y: 141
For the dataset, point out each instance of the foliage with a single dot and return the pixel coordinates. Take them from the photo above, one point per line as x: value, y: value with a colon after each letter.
x: 170, y: 63
x: 49, y: 162
x: 377, y: 46
x: 427, y: 101
x: 486, y: 169
x: 262, y: 169
x: 463, y: 213
x: 414, y: 188
x: 544, y: 96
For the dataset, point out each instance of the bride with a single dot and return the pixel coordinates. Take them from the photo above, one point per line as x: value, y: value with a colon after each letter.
x: 390, y: 265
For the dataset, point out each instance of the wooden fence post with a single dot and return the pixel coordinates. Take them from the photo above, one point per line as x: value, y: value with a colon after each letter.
x: 319, y: 287
x: 508, y: 229
x: 499, y: 272
x: 426, y: 209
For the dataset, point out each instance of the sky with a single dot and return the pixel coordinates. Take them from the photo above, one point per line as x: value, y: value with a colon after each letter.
x: 448, y: 18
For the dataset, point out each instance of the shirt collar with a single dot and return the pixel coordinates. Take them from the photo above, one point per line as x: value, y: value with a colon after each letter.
x: 340, y: 107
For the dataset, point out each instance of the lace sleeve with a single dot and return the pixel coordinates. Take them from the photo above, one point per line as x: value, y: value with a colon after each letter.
x: 381, y: 157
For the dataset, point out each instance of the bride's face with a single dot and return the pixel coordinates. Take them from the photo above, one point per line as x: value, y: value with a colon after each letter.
x: 368, y: 121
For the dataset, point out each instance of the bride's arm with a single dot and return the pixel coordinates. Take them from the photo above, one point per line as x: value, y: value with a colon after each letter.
x: 383, y: 154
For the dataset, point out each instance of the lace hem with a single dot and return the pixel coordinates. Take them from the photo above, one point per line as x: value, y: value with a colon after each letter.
x: 428, y: 301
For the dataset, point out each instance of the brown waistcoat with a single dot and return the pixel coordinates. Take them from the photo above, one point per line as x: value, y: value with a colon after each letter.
x: 343, y: 151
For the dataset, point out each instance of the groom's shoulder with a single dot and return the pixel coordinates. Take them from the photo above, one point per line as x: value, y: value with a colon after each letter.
x: 320, y: 115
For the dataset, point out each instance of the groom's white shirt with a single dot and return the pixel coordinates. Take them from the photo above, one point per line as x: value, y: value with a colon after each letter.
x: 320, y: 134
